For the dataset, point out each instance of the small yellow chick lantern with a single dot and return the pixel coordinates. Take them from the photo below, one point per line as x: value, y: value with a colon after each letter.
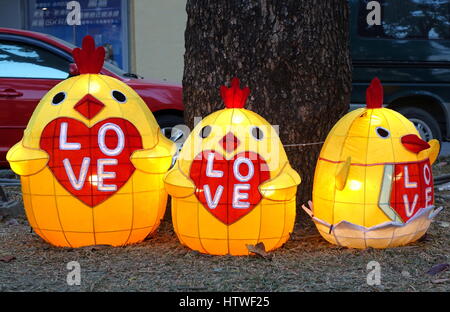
x: 232, y: 184
x: 92, y: 160
x: 373, y: 184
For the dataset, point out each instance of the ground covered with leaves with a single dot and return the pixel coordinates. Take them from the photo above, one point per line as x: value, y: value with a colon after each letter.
x: 305, y: 263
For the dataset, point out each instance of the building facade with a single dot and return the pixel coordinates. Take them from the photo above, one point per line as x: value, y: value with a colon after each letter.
x: 145, y: 37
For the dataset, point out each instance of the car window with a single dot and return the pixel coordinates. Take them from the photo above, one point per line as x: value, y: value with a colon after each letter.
x: 108, y: 65
x: 407, y: 19
x: 20, y: 60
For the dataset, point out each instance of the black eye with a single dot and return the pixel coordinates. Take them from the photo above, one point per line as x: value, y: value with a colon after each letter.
x: 59, y: 98
x: 383, y: 133
x: 119, y: 96
x: 206, y: 130
x: 257, y: 133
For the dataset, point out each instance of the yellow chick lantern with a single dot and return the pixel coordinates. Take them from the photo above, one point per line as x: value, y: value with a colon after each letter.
x: 92, y: 160
x: 232, y: 184
x: 373, y: 184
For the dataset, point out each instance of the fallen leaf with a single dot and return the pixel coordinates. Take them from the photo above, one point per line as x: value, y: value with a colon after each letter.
x: 438, y: 268
x: 7, y: 259
x: 12, y: 222
x: 439, y: 281
x: 443, y: 224
x: 406, y: 274
x: 260, y: 250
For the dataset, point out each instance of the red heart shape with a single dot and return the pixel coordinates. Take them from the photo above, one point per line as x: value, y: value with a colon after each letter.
x: 216, y: 183
x: 78, y: 154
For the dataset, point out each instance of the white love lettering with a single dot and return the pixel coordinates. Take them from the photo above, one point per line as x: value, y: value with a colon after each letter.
x: 102, y: 175
x: 238, y: 196
x: 120, y: 139
x: 408, y: 209
x: 427, y: 174
x: 210, y: 172
x: 428, y: 198
x: 63, y: 144
x: 236, y: 166
x: 78, y: 183
x: 212, y: 203
x: 407, y: 183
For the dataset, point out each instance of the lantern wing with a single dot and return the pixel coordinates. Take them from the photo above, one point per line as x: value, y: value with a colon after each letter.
x: 342, y: 175
x: 283, y: 187
x: 26, y: 161
x: 433, y: 151
x: 177, y: 184
x: 157, y: 159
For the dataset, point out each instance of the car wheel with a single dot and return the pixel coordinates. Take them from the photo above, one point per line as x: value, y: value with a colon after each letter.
x: 168, y: 124
x: 425, y: 123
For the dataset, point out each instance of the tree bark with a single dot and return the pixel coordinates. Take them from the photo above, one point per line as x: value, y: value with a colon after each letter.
x: 294, y: 56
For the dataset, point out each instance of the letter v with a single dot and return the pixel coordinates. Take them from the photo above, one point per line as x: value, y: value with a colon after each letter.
x: 77, y: 184
x: 410, y: 210
x: 212, y: 204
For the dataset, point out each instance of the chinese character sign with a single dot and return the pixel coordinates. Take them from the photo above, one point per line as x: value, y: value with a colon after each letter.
x: 232, y: 184
x: 373, y: 185
x: 92, y: 160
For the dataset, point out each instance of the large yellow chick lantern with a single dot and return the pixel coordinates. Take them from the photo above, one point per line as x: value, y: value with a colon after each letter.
x: 92, y: 160
x: 232, y: 184
x: 373, y: 184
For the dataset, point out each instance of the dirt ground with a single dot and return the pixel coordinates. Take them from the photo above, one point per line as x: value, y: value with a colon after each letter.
x: 305, y: 263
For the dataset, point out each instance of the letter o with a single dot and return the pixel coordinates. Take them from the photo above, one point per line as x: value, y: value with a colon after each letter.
x: 120, y: 139
x: 427, y: 174
x: 236, y: 166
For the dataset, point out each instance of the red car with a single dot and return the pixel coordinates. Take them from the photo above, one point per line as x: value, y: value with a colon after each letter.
x: 32, y: 63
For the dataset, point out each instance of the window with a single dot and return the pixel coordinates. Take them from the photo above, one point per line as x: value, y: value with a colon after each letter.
x: 20, y: 60
x: 407, y: 19
x: 105, y: 20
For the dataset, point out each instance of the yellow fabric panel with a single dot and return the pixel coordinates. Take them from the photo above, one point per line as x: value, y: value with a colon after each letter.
x: 238, y: 247
x: 248, y: 227
x: 138, y: 235
x: 350, y: 212
x: 45, y: 212
x: 118, y: 238
x: 342, y: 128
x: 192, y: 242
x: 144, y: 213
x: 209, y: 227
x: 323, y: 209
x: 373, y: 215
x: 215, y: 246
x: 185, y: 216
x: 74, y: 216
x: 115, y: 217
x: 324, y: 179
x: 273, y: 221
x: 290, y: 211
x: 56, y: 238
x: 332, y: 148
x: 353, y: 191
x: 75, y: 239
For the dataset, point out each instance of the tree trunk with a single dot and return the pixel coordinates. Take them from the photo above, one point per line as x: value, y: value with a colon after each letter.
x: 293, y: 55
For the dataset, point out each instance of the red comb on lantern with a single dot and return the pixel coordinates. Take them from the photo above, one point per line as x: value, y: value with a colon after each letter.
x: 234, y: 97
x: 89, y: 59
x: 374, y: 94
